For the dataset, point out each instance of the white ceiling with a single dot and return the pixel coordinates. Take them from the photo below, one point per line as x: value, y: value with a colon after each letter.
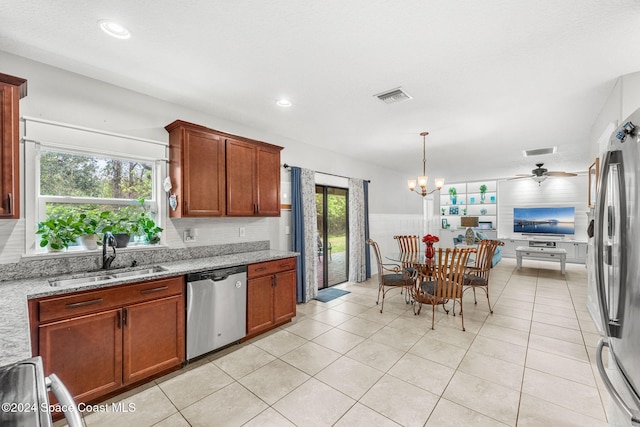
x: 489, y: 78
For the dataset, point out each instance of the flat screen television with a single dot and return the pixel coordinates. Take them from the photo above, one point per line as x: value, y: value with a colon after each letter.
x: 544, y: 220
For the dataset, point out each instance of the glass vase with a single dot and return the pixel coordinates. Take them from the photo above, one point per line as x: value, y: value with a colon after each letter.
x: 429, y: 252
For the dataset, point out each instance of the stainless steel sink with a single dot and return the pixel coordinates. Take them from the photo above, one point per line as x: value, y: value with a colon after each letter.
x: 78, y: 280
x: 106, y: 275
x: 135, y: 273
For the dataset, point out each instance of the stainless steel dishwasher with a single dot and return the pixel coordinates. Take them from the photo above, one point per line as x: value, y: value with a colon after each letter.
x: 216, y: 309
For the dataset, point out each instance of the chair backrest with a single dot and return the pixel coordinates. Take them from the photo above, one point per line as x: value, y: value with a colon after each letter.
x: 484, y: 257
x: 408, y: 243
x: 376, y: 251
x: 449, y: 273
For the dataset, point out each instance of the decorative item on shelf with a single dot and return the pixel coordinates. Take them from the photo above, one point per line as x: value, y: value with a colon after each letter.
x: 443, y: 211
x: 483, y: 193
x: 429, y: 240
x: 445, y: 223
x: 493, y: 199
x: 472, y: 200
x: 464, y: 211
x: 453, y: 210
x: 453, y: 195
x: 483, y: 211
x: 469, y: 221
x: 422, y: 180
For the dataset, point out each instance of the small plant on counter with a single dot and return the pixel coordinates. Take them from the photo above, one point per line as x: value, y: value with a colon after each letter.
x: 147, y: 226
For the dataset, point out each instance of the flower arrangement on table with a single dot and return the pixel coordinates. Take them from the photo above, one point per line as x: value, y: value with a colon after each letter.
x: 430, y: 239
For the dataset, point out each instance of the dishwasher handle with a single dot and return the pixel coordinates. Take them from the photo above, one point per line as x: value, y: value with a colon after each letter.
x: 216, y: 275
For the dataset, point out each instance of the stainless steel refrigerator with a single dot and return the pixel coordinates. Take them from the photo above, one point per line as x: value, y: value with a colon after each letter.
x: 617, y: 270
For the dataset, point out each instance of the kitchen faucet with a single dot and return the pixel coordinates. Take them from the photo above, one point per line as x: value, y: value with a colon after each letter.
x: 108, y: 240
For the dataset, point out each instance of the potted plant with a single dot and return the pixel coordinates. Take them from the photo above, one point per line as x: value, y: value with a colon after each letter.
x: 148, y: 228
x: 87, y: 225
x: 453, y: 195
x: 120, y: 225
x: 57, y: 233
x: 483, y: 190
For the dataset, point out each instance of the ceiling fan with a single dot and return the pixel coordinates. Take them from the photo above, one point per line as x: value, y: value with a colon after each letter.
x: 539, y: 174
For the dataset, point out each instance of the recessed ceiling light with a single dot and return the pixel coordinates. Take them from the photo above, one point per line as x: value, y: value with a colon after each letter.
x: 283, y: 103
x: 114, y: 29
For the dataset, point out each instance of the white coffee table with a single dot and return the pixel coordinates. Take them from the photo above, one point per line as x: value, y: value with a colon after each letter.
x: 546, y: 254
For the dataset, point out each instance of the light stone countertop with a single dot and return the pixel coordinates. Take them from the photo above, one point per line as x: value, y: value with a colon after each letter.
x: 14, y: 316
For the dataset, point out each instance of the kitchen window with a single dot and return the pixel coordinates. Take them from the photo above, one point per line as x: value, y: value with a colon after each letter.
x: 72, y: 171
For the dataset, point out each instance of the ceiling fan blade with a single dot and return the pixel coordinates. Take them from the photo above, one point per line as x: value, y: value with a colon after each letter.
x: 524, y: 175
x: 556, y: 173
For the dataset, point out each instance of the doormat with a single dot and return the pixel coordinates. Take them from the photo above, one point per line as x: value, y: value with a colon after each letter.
x: 327, y: 295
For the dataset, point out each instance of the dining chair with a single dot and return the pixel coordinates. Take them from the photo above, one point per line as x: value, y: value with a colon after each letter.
x: 442, y: 282
x: 408, y: 243
x: 395, y: 277
x: 477, y: 276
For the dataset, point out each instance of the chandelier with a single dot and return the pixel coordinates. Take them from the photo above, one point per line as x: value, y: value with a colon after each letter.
x: 422, y: 180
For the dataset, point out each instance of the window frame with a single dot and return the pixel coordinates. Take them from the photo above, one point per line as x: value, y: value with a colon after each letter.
x: 35, y: 204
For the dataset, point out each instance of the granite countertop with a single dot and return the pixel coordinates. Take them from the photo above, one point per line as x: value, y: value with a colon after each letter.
x: 14, y: 315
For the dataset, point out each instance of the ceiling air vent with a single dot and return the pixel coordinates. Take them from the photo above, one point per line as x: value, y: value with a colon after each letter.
x: 539, y: 151
x: 393, y: 95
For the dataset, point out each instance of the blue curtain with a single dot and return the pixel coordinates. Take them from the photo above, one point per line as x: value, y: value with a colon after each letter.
x: 367, y: 251
x: 297, y: 222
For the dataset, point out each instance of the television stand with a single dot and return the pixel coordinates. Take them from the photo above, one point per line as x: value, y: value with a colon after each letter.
x: 546, y: 253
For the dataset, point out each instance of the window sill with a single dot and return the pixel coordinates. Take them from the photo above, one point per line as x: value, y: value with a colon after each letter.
x: 88, y: 252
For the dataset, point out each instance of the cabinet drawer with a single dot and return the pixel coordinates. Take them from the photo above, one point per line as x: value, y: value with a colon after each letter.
x: 76, y: 304
x: 270, y: 267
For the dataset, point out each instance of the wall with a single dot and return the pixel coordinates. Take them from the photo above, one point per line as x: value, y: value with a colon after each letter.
x: 623, y: 100
x: 63, y: 96
x: 552, y: 192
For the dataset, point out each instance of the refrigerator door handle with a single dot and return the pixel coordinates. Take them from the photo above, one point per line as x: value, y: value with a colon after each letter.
x: 611, y: 303
x: 633, y: 415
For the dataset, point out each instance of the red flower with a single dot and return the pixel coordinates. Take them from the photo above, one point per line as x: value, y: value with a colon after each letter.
x: 430, y: 238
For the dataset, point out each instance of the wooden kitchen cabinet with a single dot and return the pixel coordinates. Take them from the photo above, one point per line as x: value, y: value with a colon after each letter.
x: 218, y: 174
x: 101, y: 341
x: 12, y: 89
x: 253, y: 178
x: 271, y: 294
x: 197, y: 170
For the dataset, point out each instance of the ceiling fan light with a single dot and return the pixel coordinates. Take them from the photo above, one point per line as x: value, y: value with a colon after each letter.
x: 539, y: 179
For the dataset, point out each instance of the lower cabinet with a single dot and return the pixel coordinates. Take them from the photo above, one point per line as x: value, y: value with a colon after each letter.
x: 271, y: 294
x: 100, y: 341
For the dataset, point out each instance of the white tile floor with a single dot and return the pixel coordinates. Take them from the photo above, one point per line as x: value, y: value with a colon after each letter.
x: 344, y: 363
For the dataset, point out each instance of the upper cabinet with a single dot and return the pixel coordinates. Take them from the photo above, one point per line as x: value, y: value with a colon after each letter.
x: 12, y: 89
x: 253, y: 179
x: 218, y: 174
x: 197, y: 170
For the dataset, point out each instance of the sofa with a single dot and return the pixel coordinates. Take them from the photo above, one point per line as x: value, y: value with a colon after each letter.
x: 497, y: 256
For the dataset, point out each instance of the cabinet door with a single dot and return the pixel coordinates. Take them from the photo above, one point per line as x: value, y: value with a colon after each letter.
x: 153, y: 337
x: 9, y: 154
x: 259, y: 304
x: 284, y: 297
x: 204, y: 174
x: 268, y: 182
x: 241, y: 178
x: 85, y: 352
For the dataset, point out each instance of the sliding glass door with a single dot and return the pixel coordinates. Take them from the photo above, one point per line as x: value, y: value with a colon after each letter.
x: 333, y: 236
